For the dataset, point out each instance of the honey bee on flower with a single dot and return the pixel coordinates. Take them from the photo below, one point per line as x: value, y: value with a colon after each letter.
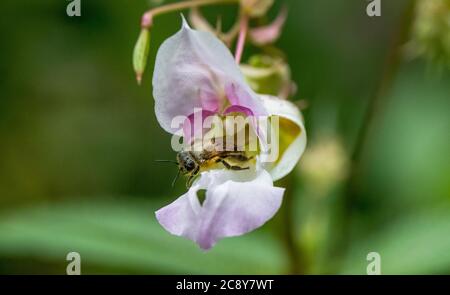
x: 200, y: 93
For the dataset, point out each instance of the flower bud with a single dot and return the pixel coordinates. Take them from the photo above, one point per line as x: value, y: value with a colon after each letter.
x: 325, y: 165
x: 140, y: 53
x: 268, y: 75
x: 431, y: 30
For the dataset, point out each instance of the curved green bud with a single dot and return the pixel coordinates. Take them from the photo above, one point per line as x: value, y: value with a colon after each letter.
x: 268, y: 75
x: 140, y: 54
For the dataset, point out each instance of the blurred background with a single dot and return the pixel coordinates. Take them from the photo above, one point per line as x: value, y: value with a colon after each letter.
x: 78, y: 140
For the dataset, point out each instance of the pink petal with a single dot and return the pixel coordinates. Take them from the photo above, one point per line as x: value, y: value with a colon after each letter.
x: 253, y: 121
x: 270, y: 33
x: 238, y: 109
x: 238, y: 95
x: 242, y: 102
x: 210, y: 100
x: 192, y: 128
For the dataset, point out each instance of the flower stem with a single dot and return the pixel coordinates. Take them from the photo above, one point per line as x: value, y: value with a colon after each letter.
x: 295, y: 253
x: 147, y: 18
x: 242, y: 35
x: 229, y: 36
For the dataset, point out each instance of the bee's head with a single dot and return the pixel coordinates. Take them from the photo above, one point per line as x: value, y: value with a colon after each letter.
x: 186, y: 162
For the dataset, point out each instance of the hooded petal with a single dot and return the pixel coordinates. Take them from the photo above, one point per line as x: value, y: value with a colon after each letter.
x: 291, y: 134
x: 193, y: 129
x: 192, y: 70
x: 236, y: 203
x: 199, y: 22
x: 239, y: 96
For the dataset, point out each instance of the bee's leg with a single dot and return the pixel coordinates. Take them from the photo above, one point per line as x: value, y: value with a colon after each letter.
x: 189, y: 181
x: 231, y: 167
x: 192, y: 177
x: 239, y: 157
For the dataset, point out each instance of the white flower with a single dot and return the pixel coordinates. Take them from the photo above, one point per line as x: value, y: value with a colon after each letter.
x: 194, y: 70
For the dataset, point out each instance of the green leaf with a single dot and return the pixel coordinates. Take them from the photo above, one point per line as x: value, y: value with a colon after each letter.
x: 126, y: 236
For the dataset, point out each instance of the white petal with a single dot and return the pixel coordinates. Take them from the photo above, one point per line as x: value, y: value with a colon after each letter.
x: 291, y: 153
x: 182, y: 216
x: 236, y: 203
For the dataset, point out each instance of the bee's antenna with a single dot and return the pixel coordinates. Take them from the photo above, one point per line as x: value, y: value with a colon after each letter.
x: 167, y: 161
x: 175, y: 179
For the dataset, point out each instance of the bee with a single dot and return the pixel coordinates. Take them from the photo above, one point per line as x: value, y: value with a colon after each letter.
x: 202, y: 158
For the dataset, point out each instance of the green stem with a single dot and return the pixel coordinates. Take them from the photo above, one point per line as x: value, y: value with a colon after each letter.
x: 295, y: 255
x: 147, y: 18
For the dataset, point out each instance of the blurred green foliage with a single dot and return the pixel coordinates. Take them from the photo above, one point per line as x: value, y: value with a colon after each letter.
x: 78, y: 138
x: 123, y: 236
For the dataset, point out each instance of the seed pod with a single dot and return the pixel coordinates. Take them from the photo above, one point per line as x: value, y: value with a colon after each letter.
x: 140, y: 53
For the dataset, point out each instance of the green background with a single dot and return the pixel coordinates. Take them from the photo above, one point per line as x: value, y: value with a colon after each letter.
x: 78, y: 140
